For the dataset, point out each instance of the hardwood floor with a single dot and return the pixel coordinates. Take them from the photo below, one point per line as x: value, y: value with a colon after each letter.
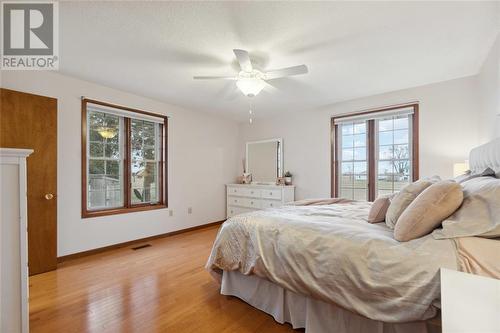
x: 162, y: 288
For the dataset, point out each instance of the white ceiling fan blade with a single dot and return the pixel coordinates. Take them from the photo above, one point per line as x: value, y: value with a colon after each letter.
x: 289, y: 71
x: 214, y: 77
x: 270, y: 88
x: 243, y: 59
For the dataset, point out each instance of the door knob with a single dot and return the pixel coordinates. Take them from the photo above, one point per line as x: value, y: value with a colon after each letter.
x: 49, y: 196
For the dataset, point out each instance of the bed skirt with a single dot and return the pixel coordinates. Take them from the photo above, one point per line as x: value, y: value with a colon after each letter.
x: 306, y: 312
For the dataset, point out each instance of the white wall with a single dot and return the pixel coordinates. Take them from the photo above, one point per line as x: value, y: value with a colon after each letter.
x: 489, y: 90
x: 448, y: 130
x: 202, y: 158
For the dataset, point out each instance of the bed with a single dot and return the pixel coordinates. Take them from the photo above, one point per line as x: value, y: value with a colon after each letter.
x: 322, y: 267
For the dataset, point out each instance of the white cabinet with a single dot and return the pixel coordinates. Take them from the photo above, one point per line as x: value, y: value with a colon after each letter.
x: 14, y: 315
x: 243, y: 198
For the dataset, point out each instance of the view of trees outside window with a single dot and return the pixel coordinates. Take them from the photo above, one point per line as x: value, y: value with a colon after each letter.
x: 105, y: 161
x: 354, y: 165
x: 394, y: 157
x: 145, y: 142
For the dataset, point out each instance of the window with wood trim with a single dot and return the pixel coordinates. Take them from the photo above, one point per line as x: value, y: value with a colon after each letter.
x: 124, y: 154
x: 375, y: 152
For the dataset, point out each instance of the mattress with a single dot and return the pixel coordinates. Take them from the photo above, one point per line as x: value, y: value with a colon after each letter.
x: 332, y: 254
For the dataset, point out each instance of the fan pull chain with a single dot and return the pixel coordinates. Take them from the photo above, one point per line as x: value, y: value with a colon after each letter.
x: 250, y: 114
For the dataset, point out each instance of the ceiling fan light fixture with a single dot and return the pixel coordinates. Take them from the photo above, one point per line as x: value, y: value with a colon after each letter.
x: 250, y: 86
x: 107, y: 132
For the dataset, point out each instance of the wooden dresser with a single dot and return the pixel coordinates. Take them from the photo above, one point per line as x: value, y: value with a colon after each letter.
x: 242, y: 198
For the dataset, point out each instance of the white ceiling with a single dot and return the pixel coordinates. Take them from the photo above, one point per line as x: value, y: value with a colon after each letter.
x: 352, y: 49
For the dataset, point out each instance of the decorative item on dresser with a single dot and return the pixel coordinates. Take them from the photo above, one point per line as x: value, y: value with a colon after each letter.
x: 13, y: 241
x: 246, y: 198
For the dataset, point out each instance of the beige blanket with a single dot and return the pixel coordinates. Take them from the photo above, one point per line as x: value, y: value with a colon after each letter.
x: 331, y: 253
x: 480, y: 256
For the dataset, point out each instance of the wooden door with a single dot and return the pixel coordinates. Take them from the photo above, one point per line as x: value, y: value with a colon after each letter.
x: 30, y: 121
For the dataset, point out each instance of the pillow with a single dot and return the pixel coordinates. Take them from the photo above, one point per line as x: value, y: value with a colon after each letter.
x: 428, y: 210
x: 479, y: 214
x: 469, y: 175
x: 404, y: 198
x: 379, y: 209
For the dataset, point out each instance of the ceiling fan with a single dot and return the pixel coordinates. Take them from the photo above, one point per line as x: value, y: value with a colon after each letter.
x: 251, y: 81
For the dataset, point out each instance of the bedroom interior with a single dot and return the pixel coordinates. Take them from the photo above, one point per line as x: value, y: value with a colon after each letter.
x: 250, y: 166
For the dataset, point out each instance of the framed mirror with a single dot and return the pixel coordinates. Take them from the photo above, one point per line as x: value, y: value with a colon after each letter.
x: 264, y: 160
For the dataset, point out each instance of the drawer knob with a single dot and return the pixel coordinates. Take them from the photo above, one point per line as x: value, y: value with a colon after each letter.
x: 251, y: 192
x: 270, y: 193
x: 271, y: 205
x: 251, y: 202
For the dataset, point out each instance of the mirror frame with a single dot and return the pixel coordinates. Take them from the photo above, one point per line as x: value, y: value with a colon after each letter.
x: 280, y: 160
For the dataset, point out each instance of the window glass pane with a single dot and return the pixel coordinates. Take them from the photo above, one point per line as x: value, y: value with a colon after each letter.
x: 360, y: 154
x: 96, y: 199
x: 384, y: 182
x: 105, y: 161
x: 385, y: 138
x: 385, y: 125
x: 347, y: 168
x: 401, y: 182
x: 401, y: 152
x: 347, y: 141
x: 347, y: 129
x: 145, y: 141
x: 360, y: 194
x: 384, y: 192
x: 96, y: 149
x: 401, y: 136
x: 347, y: 154
x: 113, y: 169
x: 149, y: 153
x: 96, y: 167
x: 401, y: 123
x: 347, y: 180
x: 346, y: 193
x: 96, y: 183
x: 385, y: 152
x: 94, y: 136
x: 360, y: 140
x: 354, y: 160
x: 360, y: 167
x: 112, y: 151
x: 360, y: 128
x: 394, y: 155
x: 384, y: 167
x: 360, y: 181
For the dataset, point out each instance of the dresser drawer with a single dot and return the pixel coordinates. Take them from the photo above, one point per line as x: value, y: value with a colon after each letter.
x: 244, y: 192
x: 232, y: 211
x: 271, y: 194
x: 236, y: 201
x: 243, y: 202
x: 270, y: 204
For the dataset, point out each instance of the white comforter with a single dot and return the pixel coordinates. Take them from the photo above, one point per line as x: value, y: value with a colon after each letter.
x: 331, y: 253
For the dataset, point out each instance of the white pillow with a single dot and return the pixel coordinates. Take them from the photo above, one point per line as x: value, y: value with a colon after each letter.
x: 479, y: 214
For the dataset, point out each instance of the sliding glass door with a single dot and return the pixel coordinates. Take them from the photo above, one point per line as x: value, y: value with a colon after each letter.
x: 374, y: 153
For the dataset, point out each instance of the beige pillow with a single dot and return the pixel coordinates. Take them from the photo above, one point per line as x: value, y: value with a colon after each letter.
x: 403, y: 199
x: 379, y: 209
x: 428, y: 210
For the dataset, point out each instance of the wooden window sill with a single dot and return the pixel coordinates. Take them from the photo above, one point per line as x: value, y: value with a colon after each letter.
x: 123, y: 210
